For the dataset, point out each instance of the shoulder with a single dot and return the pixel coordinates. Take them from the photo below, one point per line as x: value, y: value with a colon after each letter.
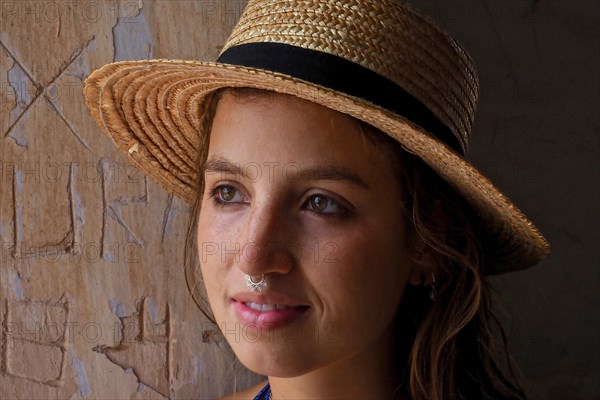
x: 246, y: 394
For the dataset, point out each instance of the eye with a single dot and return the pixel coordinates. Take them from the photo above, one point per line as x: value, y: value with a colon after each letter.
x: 326, y: 206
x: 224, y: 195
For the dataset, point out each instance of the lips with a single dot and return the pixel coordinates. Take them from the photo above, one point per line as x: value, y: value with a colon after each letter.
x: 262, y: 314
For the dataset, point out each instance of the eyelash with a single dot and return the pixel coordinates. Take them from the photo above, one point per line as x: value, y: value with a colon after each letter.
x: 343, y: 213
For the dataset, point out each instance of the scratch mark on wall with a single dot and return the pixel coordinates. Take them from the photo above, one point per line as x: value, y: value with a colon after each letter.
x: 68, y: 243
x: 38, y: 350
x: 61, y: 115
x: 58, y: 25
x: 81, y: 377
x: 37, y: 94
x: 44, y: 91
x: 144, y: 348
x: 75, y: 55
x: 81, y: 67
x: 115, y: 213
x: 112, y: 210
x: 100, y: 169
x: 132, y: 39
x: 166, y: 223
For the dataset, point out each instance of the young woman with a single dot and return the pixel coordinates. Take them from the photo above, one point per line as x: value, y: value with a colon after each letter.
x: 338, y: 227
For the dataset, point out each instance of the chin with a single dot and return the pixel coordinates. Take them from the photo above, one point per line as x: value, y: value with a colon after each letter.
x: 281, y: 361
x: 277, y: 369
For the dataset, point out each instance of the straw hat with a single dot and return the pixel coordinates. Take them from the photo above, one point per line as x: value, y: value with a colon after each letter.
x: 376, y: 60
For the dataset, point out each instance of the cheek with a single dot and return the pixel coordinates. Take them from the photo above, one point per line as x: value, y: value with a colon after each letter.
x: 218, y: 231
x: 364, y: 283
x: 211, y: 247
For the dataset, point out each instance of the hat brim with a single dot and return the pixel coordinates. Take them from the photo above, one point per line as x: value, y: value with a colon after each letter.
x: 151, y: 111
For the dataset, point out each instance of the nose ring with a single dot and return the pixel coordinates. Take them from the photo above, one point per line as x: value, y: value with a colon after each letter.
x: 254, y: 286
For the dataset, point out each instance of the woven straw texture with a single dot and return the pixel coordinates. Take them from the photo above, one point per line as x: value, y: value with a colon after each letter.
x: 382, y: 36
x: 152, y: 109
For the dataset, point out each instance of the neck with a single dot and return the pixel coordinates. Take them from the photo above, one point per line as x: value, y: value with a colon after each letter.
x: 371, y: 374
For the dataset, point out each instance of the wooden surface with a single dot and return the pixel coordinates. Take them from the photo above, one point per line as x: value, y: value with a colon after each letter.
x: 93, y: 302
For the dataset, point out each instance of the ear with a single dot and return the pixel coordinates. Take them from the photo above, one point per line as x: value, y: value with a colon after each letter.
x: 422, y: 275
x: 425, y: 261
x: 424, y: 265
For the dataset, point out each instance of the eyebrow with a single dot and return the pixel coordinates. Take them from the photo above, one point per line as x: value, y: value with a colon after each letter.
x: 325, y: 172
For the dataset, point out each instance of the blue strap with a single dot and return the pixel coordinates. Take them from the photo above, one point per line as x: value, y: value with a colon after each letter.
x: 263, y: 394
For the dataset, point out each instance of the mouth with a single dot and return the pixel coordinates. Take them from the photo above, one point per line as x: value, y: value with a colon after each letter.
x: 267, y: 315
x: 268, y: 307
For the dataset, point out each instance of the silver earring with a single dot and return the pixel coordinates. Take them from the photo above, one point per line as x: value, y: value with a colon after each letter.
x: 433, y: 286
x: 254, y: 286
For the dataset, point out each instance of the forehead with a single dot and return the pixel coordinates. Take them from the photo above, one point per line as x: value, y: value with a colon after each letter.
x: 283, y: 111
x: 279, y: 128
x: 241, y: 112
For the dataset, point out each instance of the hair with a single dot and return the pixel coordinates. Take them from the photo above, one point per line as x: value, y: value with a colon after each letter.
x: 451, y: 345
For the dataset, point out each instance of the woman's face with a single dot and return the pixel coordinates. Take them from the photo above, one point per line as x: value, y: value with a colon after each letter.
x: 294, y: 191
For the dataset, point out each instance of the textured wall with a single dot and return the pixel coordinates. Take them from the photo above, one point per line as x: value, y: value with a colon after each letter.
x: 92, y: 295
x: 92, y: 298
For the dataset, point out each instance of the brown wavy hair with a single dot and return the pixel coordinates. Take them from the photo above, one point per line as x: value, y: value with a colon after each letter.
x: 454, y: 346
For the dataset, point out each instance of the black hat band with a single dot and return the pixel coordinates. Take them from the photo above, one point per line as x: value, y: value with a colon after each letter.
x: 341, y: 75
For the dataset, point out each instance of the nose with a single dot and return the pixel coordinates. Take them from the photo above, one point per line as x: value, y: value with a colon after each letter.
x: 266, y: 241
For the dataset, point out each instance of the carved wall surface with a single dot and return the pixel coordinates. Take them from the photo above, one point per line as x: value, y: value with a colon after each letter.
x: 93, y: 302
